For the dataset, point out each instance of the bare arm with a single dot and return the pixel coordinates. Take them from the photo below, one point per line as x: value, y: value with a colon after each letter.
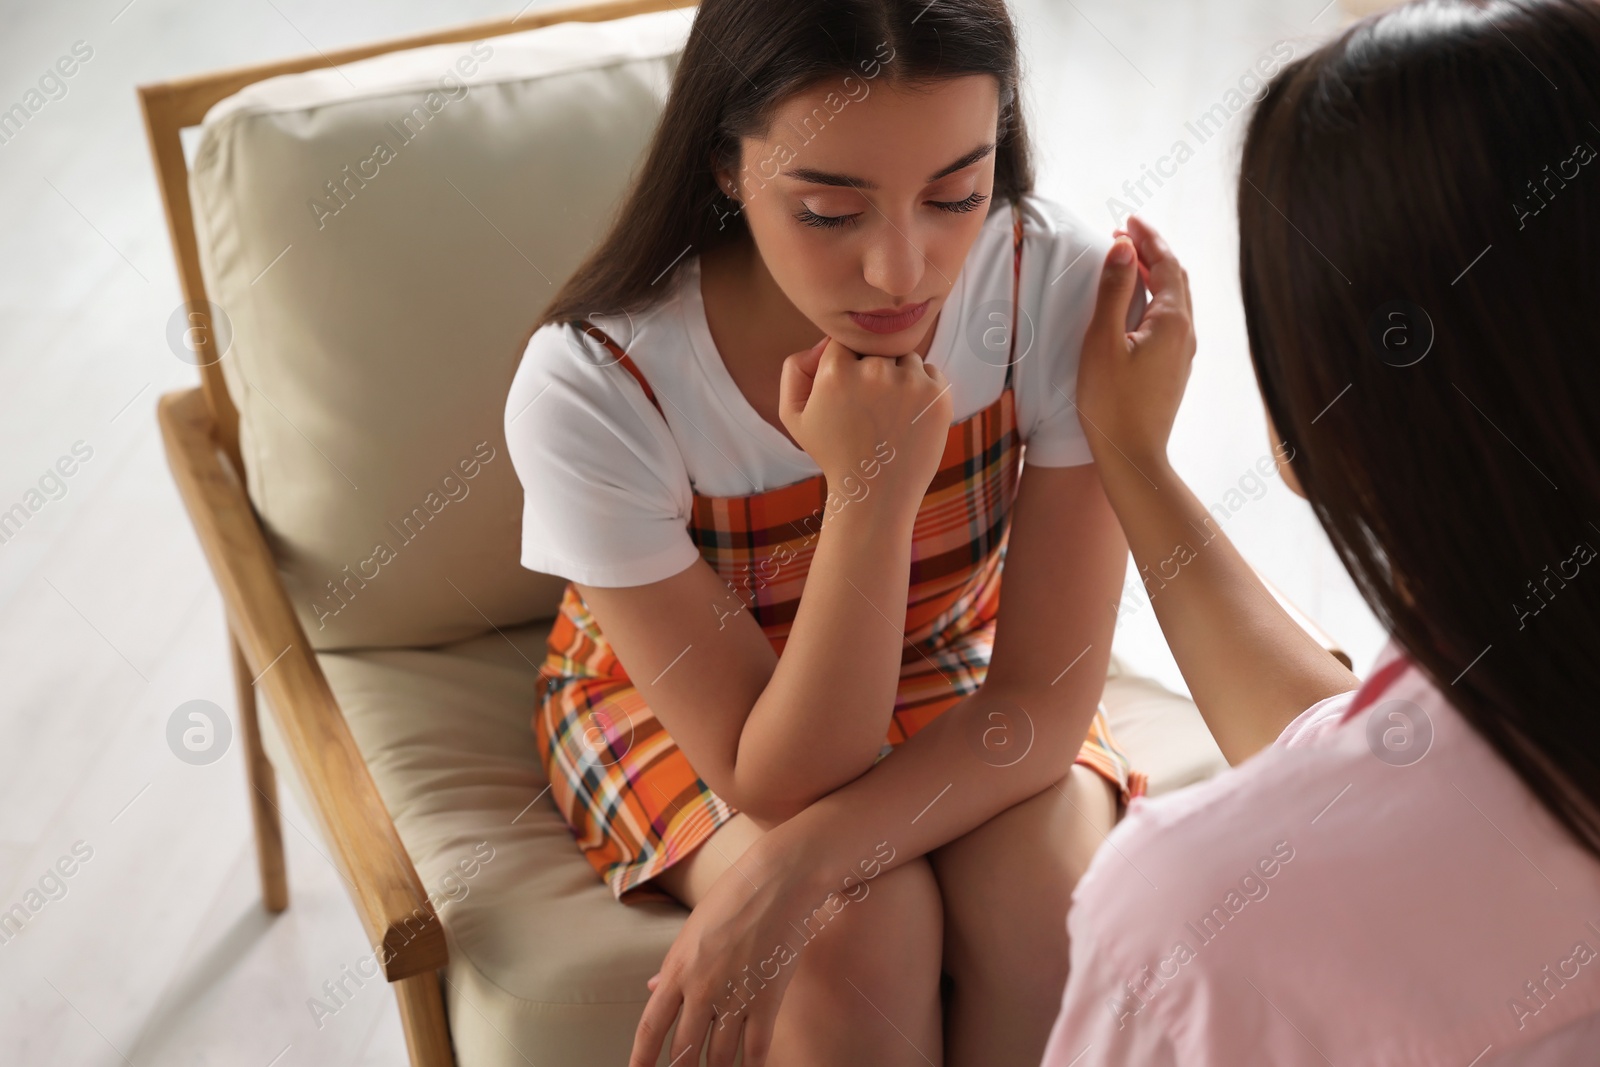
x: 1249, y: 667
x: 771, y: 734
x: 1022, y: 730
x: 751, y: 723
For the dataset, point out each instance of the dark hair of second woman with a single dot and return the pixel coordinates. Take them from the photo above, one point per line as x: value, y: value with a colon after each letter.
x: 742, y: 59
x: 1419, y: 213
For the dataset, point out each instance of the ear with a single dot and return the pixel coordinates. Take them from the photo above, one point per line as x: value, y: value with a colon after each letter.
x: 726, y: 184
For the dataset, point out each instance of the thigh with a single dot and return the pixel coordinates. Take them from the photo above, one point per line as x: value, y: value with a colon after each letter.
x: 1006, y: 884
x: 692, y: 877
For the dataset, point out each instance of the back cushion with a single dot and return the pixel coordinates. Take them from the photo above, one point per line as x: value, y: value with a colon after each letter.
x: 379, y: 239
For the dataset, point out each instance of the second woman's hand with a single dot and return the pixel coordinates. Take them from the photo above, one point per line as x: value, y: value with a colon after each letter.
x: 1131, y: 382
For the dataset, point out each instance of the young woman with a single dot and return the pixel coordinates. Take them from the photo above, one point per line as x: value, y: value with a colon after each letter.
x: 785, y: 552
x: 1408, y: 873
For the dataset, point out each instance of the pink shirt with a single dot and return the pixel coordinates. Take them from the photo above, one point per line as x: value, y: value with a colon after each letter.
x: 1377, y: 887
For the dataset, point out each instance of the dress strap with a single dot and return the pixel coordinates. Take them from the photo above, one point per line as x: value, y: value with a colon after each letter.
x: 1016, y: 286
x: 623, y: 358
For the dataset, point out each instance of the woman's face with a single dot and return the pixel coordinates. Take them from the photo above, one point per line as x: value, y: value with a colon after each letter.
x: 865, y: 196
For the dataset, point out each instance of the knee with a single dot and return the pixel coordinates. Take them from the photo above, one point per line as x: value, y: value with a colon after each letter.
x: 876, y: 929
x: 871, y: 956
x: 1094, y: 802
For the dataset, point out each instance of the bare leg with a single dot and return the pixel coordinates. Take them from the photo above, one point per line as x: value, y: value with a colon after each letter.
x: 866, y: 987
x: 1006, y: 885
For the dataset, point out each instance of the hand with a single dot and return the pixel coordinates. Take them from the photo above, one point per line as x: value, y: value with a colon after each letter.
x: 738, y: 930
x: 880, y: 417
x: 1130, y: 384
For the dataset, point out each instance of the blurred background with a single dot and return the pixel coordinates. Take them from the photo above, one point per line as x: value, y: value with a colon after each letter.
x: 159, y: 951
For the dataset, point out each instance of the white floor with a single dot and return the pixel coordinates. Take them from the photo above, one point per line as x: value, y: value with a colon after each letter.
x: 158, y: 952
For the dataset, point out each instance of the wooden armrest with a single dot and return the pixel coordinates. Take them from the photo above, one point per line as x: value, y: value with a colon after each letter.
x: 367, y: 849
x: 1315, y: 632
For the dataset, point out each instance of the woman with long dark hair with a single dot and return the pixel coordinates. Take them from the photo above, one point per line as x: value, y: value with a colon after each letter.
x: 1408, y: 873
x: 773, y: 431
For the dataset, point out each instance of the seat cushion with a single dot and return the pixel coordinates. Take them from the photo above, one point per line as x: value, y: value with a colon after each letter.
x: 1162, y: 731
x: 544, y: 962
x: 379, y: 240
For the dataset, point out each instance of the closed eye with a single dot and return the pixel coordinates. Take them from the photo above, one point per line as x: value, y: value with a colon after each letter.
x: 828, y: 222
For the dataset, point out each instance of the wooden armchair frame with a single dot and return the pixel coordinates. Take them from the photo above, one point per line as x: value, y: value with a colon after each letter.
x: 270, y: 650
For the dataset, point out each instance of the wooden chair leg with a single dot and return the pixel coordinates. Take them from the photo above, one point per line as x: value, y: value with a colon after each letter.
x: 423, y: 1019
x: 263, y: 788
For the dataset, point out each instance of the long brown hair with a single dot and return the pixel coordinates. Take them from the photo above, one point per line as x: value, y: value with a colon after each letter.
x: 1419, y: 251
x: 743, y: 58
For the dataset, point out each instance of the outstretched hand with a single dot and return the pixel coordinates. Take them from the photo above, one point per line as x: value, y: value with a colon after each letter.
x: 1130, y: 383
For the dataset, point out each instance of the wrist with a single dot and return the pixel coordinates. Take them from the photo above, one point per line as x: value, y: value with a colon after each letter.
x: 872, y: 513
x: 1120, y: 465
x: 793, y: 852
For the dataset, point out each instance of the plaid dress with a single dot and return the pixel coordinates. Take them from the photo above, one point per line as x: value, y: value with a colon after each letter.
x: 627, y: 791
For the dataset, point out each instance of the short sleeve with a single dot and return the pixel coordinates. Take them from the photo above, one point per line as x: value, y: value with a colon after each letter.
x: 1061, y: 263
x: 1316, y: 725
x: 606, y: 497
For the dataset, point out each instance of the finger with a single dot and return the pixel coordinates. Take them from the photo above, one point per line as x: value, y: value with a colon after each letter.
x: 1142, y: 231
x: 723, y: 1045
x: 691, y: 1035
x: 1144, y: 275
x: 811, y: 356
x: 654, y: 980
x: 1165, y: 279
x: 876, y: 368
x: 757, y: 1039
x: 1144, y: 268
x: 1118, y: 276
x: 835, y: 352
x: 795, y: 383
x: 654, y: 1025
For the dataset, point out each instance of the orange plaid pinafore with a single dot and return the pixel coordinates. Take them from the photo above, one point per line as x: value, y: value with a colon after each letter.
x: 627, y: 791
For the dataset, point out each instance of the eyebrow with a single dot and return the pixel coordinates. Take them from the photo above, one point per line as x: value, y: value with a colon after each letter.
x: 822, y: 177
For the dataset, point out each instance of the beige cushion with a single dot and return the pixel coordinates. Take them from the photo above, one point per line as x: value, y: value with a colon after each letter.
x: 1161, y: 731
x: 544, y: 963
x: 373, y: 345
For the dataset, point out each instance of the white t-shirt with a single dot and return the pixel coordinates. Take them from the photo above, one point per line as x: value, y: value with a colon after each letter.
x: 608, y: 487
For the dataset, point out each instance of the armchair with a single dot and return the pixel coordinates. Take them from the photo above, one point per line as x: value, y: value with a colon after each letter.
x: 354, y: 313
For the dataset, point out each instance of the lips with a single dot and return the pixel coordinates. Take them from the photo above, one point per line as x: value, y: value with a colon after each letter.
x: 887, y: 320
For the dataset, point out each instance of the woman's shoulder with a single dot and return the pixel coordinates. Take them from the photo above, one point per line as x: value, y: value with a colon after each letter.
x: 1062, y: 238
x: 572, y: 404
x: 1062, y: 255
x: 580, y: 361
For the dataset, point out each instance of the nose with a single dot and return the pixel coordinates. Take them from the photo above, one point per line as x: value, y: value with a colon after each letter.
x: 894, y: 262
